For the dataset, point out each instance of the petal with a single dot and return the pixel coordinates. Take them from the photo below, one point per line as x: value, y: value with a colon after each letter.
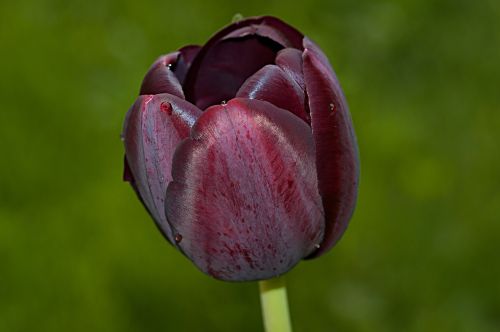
x: 233, y: 54
x: 336, y: 148
x: 154, y: 127
x: 226, y: 66
x: 244, y: 203
x: 272, y: 84
x: 161, y: 79
x: 184, y: 61
x: 290, y: 60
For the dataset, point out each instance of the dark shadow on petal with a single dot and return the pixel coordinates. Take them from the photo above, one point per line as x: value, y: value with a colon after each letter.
x: 184, y: 61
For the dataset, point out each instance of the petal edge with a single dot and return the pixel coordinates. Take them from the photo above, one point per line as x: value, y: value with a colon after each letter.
x: 336, y: 148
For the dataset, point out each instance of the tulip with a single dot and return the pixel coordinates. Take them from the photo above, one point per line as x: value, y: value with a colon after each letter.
x: 243, y: 151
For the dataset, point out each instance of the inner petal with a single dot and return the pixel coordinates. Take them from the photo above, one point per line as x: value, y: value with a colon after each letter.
x: 226, y: 66
x: 273, y: 84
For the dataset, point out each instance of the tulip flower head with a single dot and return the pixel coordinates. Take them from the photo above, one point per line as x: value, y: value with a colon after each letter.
x: 243, y: 152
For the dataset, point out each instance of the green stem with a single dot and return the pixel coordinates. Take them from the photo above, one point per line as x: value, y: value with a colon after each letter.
x: 275, y: 305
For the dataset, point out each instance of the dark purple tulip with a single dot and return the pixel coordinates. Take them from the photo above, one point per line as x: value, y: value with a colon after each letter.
x: 243, y: 150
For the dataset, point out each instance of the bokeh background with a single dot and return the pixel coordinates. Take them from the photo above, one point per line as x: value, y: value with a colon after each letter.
x: 79, y: 253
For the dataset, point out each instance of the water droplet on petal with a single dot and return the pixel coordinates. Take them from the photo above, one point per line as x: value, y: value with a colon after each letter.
x: 166, y: 108
x: 223, y: 103
x: 317, y: 246
x: 178, y: 238
x: 332, y: 107
x: 169, y: 66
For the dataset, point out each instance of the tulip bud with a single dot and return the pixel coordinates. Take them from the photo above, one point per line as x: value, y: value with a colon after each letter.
x: 243, y: 150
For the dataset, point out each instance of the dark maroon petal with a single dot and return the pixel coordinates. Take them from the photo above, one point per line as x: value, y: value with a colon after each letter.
x: 153, y: 129
x: 336, y: 147
x: 234, y: 54
x: 184, y: 61
x: 161, y: 79
x: 290, y: 60
x: 244, y: 203
x: 227, y: 65
x: 272, y: 84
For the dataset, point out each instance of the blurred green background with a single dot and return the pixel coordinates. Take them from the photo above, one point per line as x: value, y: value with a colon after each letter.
x: 79, y: 253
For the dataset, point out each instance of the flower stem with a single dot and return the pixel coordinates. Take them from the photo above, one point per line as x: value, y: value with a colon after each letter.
x: 274, y: 303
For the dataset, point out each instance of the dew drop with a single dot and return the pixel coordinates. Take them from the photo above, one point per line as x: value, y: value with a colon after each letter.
x: 169, y: 66
x: 178, y: 238
x: 332, y: 107
x: 223, y: 103
x: 166, y: 108
x: 317, y: 246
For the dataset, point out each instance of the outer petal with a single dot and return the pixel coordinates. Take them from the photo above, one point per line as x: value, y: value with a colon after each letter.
x: 244, y: 202
x: 161, y: 79
x: 336, y: 148
x: 272, y: 84
x: 154, y: 127
x: 233, y: 54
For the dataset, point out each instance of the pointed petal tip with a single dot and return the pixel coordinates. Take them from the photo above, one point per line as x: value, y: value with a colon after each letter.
x: 160, y: 77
